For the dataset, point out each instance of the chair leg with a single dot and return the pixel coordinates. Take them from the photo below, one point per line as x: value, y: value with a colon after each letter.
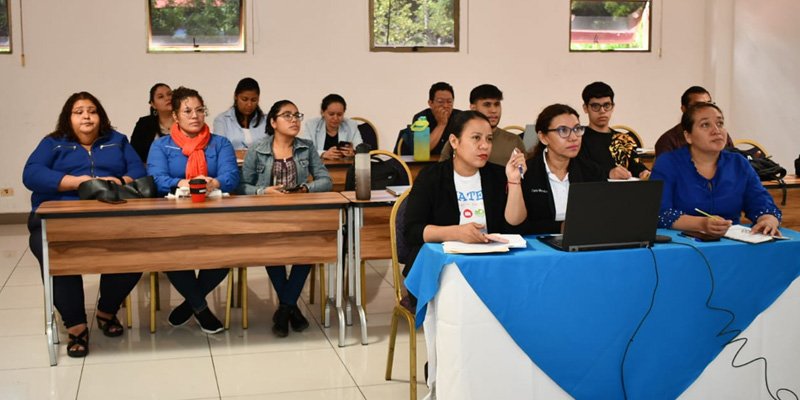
x: 238, y: 293
x: 364, y: 286
x: 156, y: 297
x: 412, y: 358
x: 392, y: 339
x: 128, y: 312
x: 153, y: 300
x: 243, y: 303
x: 228, y: 299
x: 311, y: 288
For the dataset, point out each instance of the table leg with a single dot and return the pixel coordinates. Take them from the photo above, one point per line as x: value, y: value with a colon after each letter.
x: 49, y: 316
x: 339, y: 280
x: 350, y: 259
x: 355, y: 278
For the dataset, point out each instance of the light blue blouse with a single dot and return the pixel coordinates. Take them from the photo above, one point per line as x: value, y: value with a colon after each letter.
x: 314, y: 130
x: 226, y: 125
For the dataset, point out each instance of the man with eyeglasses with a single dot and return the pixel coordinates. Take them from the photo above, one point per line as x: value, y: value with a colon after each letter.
x: 614, y: 152
x: 673, y: 139
x: 440, y: 114
x: 487, y: 99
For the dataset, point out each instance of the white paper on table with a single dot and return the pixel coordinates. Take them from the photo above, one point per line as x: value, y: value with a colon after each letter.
x: 743, y: 234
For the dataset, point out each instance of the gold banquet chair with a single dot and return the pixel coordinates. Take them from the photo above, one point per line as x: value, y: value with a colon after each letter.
x: 515, y: 129
x: 395, y: 221
x: 369, y: 134
x: 754, y: 147
x: 631, y: 132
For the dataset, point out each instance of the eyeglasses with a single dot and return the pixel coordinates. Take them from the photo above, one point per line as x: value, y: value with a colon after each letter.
x: 597, y: 106
x: 564, y: 131
x: 198, y: 111
x: 289, y: 116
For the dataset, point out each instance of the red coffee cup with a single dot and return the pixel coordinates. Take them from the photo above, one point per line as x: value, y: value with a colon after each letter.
x: 197, y: 188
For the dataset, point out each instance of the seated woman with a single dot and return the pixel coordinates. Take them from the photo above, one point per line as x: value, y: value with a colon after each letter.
x: 555, y: 164
x: 332, y: 128
x: 243, y: 123
x: 464, y: 198
x: 192, y: 152
x: 281, y: 163
x: 157, y: 123
x: 84, y: 146
x: 701, y: 176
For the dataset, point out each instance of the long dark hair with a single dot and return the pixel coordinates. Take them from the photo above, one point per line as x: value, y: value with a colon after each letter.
x: 546, y: 117
x: 273, y: 114
x: 330, y: 99
x: 64, y: 123
x: 244, y: 85
x: 153, y: 95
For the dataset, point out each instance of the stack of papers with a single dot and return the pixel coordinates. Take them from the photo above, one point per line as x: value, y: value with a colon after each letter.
x: 397, y: 190
x: 742, y: 233
x: 514, y: 242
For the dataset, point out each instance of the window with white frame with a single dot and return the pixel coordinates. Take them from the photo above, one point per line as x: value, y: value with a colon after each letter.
x: 195, y: 25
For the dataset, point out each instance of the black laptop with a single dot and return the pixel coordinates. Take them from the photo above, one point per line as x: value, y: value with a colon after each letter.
x: 609, y: 215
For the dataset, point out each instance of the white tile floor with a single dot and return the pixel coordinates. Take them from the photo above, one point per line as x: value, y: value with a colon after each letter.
x: 184, y: 363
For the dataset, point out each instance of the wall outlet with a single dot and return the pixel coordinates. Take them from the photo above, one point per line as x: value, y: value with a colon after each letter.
x: 6, y: 192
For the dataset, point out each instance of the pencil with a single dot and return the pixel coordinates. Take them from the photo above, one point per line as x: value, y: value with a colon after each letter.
x: 706, y: 214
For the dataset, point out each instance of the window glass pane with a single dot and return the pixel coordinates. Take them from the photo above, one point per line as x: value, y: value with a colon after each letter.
x: 412, y: 25
x: 610, y: 25
x: 196, y: 25
x: 5, y: 28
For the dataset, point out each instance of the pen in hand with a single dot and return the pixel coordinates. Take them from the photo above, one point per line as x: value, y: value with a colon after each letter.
x: 521, y: 172
x: 706, y: 214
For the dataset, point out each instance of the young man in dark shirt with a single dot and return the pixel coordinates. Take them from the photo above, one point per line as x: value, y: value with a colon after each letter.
x: 614, y: 152
x: 440, y: 114
x: 673, y: 139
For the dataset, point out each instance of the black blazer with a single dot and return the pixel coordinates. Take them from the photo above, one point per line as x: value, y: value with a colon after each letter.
x: 144, y: 133
x: 433, y: 201
x: 538, y: 194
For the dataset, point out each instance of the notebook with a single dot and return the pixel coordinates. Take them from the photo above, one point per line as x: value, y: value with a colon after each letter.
x: 397, y: 190
x: 609, y: 215
x: 742, y: 233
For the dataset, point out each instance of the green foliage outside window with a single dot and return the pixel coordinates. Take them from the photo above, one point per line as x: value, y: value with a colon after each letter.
x: 195, y: 23
x: 414, y: 23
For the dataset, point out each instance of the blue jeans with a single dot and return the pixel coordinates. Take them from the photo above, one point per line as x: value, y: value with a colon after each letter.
x: 288, y: 289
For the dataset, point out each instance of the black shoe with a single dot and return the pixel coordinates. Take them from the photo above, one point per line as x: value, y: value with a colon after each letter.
x: 180, y: 315
x: 281, y: 320
x: 297, y: 320
x: 208, y: 322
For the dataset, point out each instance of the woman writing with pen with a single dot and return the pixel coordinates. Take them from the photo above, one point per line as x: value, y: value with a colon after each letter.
x: 705, y: 188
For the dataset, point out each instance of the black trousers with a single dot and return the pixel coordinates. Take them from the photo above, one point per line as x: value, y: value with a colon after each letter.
x: 195, y: 288
x: 288, y: 289
x: 68, y: 290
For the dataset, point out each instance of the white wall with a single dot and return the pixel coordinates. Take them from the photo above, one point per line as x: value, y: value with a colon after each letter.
x: 304, y: 49
x: 765, y: 89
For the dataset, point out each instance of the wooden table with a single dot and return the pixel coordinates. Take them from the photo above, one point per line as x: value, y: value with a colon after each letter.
x: 369, y: 239
x: 86, y: 237
x: 791, y: 210
x: 338, y: 169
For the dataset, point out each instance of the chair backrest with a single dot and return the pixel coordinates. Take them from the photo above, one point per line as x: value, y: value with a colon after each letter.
x: 369, y: 134
x: 392, y: 171
x: 751, y: 147
x: 515, y: 129
x: 398, y: 242
x: 405, y: 142
x: 631, y: 132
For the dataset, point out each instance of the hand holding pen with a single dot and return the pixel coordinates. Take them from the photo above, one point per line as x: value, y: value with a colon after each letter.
x: 714, y: 224
x: 516, y: 164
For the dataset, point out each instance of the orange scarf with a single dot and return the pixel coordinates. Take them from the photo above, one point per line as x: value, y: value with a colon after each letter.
x: 194, y: 148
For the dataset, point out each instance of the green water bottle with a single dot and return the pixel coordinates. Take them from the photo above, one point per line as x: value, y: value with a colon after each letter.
x: 422, y: 139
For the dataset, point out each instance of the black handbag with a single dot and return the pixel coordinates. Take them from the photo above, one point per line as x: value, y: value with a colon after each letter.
x: 111, y: 192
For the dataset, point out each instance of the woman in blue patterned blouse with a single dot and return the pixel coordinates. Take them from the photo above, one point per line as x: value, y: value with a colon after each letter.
x: 701, y: 176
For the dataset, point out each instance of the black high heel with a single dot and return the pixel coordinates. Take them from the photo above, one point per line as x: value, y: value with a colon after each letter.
x: 82, y: 340
x: 111, y: 327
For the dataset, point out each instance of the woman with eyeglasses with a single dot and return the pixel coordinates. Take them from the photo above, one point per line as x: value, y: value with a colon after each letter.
x: 156, y: 124
x: 700, y: 179
x: 282, y: 163
x: 192, y: 152
x: 333, y: 135
x: 243, y: 124
x: 84, y: 146
x: 554, y: 165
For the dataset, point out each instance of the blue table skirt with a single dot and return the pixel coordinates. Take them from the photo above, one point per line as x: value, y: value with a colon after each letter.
x: 574, y: 314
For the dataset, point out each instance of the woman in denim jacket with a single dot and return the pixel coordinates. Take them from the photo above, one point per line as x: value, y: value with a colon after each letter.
x: 281, y: 163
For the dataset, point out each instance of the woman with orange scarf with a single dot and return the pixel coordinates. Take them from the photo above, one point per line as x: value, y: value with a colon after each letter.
x: 192, y: 152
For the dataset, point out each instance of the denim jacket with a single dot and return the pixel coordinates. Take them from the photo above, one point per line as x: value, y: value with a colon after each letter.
x: 257, y: 168
x: 226, y: 125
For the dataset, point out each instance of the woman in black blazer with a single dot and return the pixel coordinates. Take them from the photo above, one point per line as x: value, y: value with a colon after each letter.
x: 464, y: 198
x: 554, y: 165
